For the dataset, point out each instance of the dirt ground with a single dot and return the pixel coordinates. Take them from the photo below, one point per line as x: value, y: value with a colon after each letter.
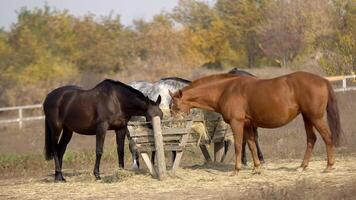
x: 279, y: 180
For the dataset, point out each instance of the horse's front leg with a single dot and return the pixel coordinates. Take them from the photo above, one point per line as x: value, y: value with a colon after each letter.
x: 100, y: 138
x: 237, y: 127
x: 134, y: 155
x: 120, y: 146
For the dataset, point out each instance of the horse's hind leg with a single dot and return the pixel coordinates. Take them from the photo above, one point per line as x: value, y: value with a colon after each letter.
x: 324, y: 131
x: 65, y: 138
x: 100, y: 138
x: 56, y: 131
x: 311, y: 139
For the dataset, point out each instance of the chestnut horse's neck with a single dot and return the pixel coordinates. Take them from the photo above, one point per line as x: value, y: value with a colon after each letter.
x: 205, y: 93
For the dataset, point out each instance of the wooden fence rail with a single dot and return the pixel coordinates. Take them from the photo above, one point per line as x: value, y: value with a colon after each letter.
x: 344, y: 80
x: 20, y: 119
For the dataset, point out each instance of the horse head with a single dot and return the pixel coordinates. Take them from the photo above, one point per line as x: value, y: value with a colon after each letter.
x: 177, y: 105
x: 153, y: 108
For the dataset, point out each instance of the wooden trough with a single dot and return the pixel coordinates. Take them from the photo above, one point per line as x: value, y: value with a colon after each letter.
x: 160, y: 137
x: 171, y: 135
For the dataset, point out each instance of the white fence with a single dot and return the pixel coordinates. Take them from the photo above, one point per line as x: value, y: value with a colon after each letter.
x: 344, y: 79
x: 20, y: 119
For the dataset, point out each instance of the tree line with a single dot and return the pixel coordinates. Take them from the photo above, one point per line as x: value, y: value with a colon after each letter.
x: 46, y: 44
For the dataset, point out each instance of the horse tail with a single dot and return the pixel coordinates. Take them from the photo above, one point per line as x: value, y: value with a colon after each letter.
x: 333, y: 117
x: 48, y: 141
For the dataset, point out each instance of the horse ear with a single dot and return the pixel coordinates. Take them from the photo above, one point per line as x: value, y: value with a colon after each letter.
x: 158, y: 101
x: 180, y: 93
x: 171, y: 93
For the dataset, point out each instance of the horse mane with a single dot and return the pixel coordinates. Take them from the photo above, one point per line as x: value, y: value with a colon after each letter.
x: 176, y: 79
x: 123, y: 85
x: 240, y: 72
x: 211, y: 78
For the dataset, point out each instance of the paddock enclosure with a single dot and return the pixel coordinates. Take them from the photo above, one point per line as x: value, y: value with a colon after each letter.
x: 25, y: 175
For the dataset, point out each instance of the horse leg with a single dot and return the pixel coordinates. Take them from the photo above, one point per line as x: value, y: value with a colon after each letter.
x: 250, y: 137
x: 219, y: 150
x: 56, y: 131
x: 243, y: 158
x: 311, y: 139
x: 174, y: 155
x: 153, y: 157
x: 237, y: 127
x: 65, y: 138
x: 259, y: 152
x: 100, y: 138
x: 120, y: 146
x: 324, y: 131
x: 134, y: 155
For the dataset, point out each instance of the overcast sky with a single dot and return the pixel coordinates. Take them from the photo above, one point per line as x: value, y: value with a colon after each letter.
x: 127, y: 9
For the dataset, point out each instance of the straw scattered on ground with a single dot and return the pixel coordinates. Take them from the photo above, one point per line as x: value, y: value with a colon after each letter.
x: 279, y: 180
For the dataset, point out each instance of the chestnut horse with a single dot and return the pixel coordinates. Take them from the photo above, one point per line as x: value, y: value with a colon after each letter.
x: 246, y: 102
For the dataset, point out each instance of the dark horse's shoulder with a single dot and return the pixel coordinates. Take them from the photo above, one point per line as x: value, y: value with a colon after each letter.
x: 109, y: 85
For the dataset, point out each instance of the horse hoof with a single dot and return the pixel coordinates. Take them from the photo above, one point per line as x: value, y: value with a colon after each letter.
x: 301, y: 169
x: 135, y: 167
x: 328, y: 169
x: 256, y: 171
x: 97, y: 177
x: 234, y: 173
x: 58, y: 177
x: 60, y: 180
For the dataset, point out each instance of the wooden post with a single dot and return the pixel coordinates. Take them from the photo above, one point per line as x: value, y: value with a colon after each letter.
x: 20, y: 118
x: 148, y: 162
x: 219, y: 150
x: 344, y: 86
x: 161, y: 163
x: 205, y: 152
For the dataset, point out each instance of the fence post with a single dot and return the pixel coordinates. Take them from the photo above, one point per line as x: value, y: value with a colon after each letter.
x: 344, y: 86
x: 161, y: 163
x: 20, y: 117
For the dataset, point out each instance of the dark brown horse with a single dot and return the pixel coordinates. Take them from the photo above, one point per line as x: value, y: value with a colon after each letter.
x: 108, y: 106
x: 247, y: 102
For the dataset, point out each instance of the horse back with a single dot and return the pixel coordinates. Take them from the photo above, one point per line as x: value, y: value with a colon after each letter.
x: 55, y: 98
x: 274, y: 102
x: 70, y: 106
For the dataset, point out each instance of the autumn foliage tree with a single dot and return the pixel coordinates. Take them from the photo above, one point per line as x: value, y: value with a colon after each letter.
x: 47, y: 47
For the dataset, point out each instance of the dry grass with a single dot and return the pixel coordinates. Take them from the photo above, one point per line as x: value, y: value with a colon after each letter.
x: 279, y: 180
